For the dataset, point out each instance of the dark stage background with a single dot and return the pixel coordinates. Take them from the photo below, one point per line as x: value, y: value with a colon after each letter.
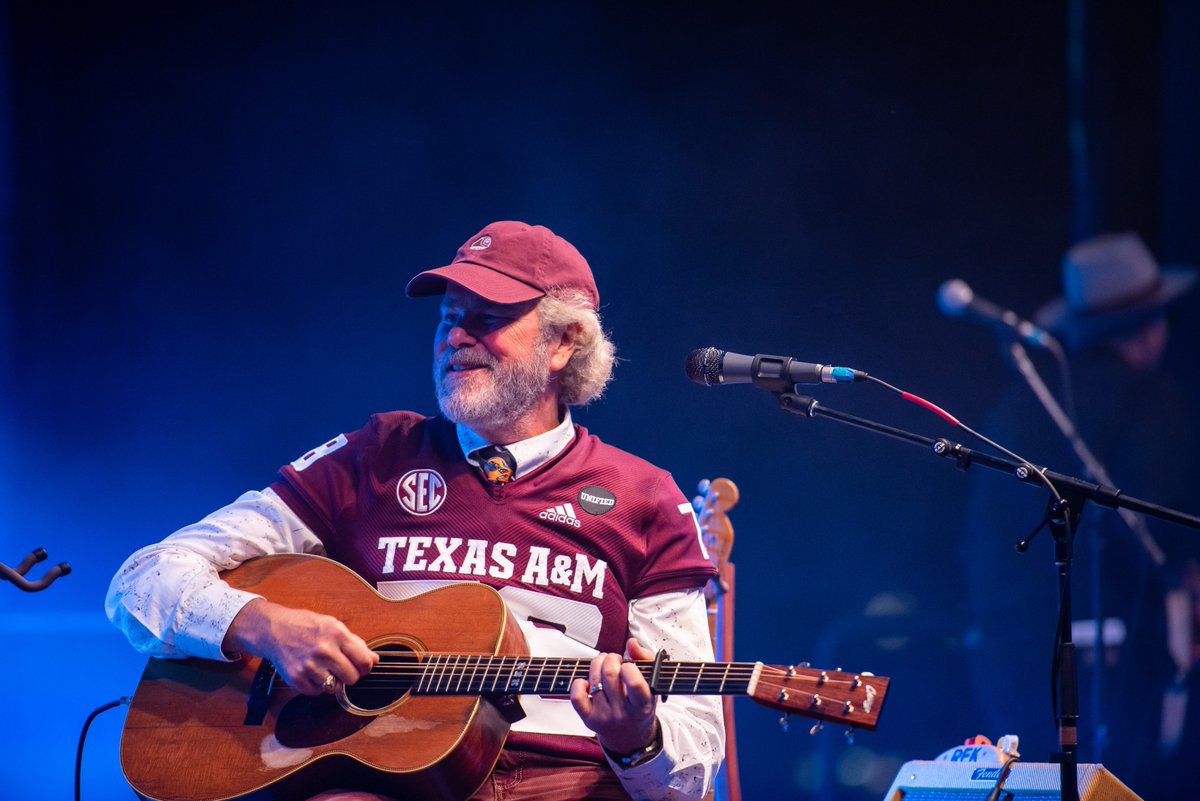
x: 210, y: 212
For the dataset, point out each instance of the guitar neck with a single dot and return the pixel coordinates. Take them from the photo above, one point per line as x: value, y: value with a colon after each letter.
x: 848, y: 698
x: 472, y: 674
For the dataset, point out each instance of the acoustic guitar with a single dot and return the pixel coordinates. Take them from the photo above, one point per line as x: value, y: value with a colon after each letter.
x: 430, y: 719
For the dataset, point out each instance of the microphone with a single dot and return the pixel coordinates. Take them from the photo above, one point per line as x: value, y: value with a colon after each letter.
x: 956, y: 299
x: 712, y: 367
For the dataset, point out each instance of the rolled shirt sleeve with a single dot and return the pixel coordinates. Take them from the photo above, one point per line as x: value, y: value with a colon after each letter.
x: 693, y: 728
x: 168, y: 598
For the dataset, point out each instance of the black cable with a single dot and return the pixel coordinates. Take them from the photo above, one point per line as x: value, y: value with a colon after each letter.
x: 122, y: 701
x: 994, y: 795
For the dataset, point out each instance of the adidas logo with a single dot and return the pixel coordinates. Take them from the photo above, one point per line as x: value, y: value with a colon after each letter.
x: 564, y: 513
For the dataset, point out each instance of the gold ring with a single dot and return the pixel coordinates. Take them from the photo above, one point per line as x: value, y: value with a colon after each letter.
x: 330, y: 683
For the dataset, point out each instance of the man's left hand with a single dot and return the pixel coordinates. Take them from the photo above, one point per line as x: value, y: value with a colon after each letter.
x: 616, y: 702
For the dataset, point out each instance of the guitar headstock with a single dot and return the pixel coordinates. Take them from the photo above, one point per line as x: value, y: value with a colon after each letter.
x: 849, y: 699
x: 712, y: 506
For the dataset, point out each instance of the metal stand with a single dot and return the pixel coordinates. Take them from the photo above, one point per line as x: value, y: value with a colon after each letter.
x: 1062, y: 514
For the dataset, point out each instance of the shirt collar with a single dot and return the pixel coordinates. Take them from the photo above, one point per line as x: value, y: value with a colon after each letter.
x: 530, y: 453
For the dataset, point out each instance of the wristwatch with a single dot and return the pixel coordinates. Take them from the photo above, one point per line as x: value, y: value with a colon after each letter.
x: 644, y: 754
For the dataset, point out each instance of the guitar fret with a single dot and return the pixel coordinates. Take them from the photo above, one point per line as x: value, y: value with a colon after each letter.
x: 439, y: 673
x: 498, y: 681
x: 441, y: 681
x: 498, y: 678
x: 468, y: 670
x: 724, y: 679
x: 460, y: 671
x: 699, y: 676
x: 488, y: 673
x: 537, y: 684
x: 674, y: 678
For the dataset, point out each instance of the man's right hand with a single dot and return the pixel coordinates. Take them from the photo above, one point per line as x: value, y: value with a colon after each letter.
x: 305, y: 647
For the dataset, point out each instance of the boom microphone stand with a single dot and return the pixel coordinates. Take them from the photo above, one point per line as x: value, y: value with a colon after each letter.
x: 1095, y: 469
x: 1070, y: 494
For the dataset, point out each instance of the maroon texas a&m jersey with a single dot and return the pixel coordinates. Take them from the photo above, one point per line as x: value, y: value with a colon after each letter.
x: 568, y: 545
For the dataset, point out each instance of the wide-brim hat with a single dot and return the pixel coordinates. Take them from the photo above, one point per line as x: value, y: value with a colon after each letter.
x: 511, y: 262
x: 1111, y: 284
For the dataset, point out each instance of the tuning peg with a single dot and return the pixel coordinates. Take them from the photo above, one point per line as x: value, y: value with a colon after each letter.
x: 703, y: 485
x: 820, y: 724
x: 849, y: 735
x: 783, y: 722
x: 698, y: 503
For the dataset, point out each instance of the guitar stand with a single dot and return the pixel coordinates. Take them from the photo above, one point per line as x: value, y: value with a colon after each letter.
x: 17, y: 576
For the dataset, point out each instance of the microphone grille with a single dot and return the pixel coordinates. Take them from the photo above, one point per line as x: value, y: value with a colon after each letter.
x: 954, y: 296
x: 704, y: 366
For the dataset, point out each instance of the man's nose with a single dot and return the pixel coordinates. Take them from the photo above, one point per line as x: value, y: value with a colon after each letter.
x: 459, y: 337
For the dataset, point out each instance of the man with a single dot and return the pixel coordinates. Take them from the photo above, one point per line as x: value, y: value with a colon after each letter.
x: 1112, y: 320
x: 595, y: 552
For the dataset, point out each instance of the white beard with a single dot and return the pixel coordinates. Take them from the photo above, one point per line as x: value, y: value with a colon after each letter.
x: 496, y: 397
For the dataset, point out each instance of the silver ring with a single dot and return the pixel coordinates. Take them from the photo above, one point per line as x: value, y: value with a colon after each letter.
x: 596, y: 688
x: 330, y: 683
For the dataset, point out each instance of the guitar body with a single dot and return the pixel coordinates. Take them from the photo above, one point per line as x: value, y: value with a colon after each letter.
x: 187, y: 735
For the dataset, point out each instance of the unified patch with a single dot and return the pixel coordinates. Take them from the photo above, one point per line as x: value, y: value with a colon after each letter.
x: 597, y: 500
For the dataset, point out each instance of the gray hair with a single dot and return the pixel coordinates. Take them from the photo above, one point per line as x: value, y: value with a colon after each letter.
x: 587, y: 374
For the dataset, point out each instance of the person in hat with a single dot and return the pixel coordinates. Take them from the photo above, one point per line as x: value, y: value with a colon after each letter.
x: 1112, y: 322
x: 1116, y: 295
x: 595, y: 551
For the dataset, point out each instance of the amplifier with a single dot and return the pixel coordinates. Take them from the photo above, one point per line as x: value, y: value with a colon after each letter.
x: 1027, y: 781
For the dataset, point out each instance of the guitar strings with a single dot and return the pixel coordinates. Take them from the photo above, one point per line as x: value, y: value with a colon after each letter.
x: 436, y: 672
x: 848, y: 696
x: 457, y: 669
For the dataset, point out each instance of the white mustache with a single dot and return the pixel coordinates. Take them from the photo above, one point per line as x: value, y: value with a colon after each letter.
x: 467, y: 358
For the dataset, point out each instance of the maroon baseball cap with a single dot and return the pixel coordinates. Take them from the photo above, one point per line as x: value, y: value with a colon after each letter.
x: 511, y: 262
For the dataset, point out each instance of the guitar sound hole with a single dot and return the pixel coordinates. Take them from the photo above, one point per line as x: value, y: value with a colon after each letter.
x: 389, y: 681
x: 307, y: 721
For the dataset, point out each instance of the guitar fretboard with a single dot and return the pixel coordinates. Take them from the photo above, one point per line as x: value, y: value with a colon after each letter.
x: 477, y: 674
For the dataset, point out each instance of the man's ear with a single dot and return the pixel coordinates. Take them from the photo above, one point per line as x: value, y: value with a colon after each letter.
x: 562, y: 347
